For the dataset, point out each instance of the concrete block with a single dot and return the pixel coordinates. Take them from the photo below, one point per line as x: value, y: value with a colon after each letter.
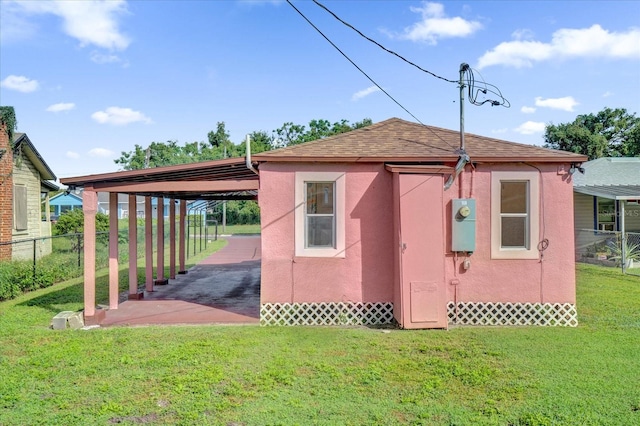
x: 67, y: 319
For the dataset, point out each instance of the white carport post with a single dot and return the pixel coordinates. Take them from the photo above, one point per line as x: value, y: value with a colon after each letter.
x: 113, y: 250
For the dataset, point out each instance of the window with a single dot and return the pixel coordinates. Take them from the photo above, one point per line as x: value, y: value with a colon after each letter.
x: 20, y: 218
x: 515, y: 199
x: 319, y: 214
x: 606, y: 214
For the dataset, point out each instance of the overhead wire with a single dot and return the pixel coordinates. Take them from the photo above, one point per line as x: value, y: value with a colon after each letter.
x: 353, y: 63
x: 379, y: 45
x: 475, y: 89
x: 371, y: 79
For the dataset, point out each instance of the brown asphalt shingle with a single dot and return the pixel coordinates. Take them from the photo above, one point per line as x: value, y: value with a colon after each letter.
x: 399, y: 140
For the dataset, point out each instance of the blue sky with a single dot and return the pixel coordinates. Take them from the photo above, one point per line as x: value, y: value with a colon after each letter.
x: 90, y: 79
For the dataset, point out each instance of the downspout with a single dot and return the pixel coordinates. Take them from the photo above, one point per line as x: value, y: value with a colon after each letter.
x: 464, y: 157
x: 248, y: 156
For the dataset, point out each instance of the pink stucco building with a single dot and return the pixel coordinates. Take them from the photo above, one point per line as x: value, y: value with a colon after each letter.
x: 395, y: 222
x: 359, y: 228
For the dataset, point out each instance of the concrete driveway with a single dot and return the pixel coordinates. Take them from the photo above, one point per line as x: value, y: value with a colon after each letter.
x: 222, y: 289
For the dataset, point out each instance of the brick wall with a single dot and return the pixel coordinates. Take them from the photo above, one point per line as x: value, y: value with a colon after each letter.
x: 6, y: 193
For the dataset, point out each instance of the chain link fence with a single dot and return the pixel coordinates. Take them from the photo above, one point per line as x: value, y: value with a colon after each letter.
x: 609, y: 248
x: 41, y: 262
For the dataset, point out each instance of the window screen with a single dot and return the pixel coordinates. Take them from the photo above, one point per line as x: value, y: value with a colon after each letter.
x: 514, y: 214
x: 320, y: 214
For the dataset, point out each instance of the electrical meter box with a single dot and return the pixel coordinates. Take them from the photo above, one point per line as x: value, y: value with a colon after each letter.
x: 463, y: 224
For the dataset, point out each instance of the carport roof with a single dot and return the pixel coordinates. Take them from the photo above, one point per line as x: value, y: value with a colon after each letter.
x: 217, y: 179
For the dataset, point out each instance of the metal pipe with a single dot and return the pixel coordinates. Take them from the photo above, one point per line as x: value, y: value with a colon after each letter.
x: 464, y: 157
x: 248, y: 156
x: 463, y: 68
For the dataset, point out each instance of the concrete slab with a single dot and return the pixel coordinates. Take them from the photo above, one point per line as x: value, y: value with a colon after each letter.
x: 222, y: 289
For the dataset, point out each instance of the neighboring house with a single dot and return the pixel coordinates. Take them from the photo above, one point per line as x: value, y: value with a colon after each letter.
x: 71, y: 200
x: 606, y: 199
x: 123, y: 205
x: 66, y: 201
x: 607, y: 186
x: 24, y: 185
x: 360, y: 226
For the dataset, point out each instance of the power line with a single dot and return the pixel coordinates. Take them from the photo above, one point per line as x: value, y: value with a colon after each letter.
x: 353, y: 63
x: 483, y: 88
x: 381, y: 46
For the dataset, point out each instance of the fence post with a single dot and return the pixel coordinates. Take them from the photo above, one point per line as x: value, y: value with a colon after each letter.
x: 34, y: 263
x: 200, y: 232
x: 79, y: 246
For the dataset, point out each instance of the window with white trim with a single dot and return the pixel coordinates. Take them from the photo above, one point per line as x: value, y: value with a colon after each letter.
x: 319, y: 214
x: 515, y: 215
x: 320, y: 217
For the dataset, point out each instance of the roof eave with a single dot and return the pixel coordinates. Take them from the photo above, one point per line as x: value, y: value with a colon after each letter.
x: 123, y: 174
x: 444, y: 159
x: 34, y: 156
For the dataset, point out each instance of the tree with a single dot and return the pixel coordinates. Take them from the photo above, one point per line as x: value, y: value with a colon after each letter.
x: 293, y: 134
x: 219, y: 144
x: 260, y: 142
x: 72, y: 222
x: 609, y: 133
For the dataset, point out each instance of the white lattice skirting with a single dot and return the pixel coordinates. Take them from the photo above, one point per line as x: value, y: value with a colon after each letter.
x: 497, y: 313
x: 326, y: 313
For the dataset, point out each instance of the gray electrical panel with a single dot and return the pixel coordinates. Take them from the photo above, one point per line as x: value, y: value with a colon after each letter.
x: 463, y: 224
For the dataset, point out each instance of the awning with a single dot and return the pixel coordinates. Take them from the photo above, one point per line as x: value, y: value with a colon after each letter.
x: 612, y: 192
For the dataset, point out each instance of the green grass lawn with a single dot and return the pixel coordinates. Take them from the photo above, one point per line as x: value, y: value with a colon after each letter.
x: 249, y: 375
x: 239, y: 229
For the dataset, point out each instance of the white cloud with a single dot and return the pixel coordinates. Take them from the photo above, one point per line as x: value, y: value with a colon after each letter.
x: 565, y: 104
x: 20, y: 83
x: 522, y: 34
x: 15, y: 26
x: 119, y: 116
x: 366, y: 92
x: 528, y: 110
x: 592, y: 42
x: 72, y: 154
x: 100, y: 58
x: 61, y: 107
x: 607, y: 94
x: 92, y: 22
x: 530, y: 127
x: 100, y: 152
x: 436, y: 25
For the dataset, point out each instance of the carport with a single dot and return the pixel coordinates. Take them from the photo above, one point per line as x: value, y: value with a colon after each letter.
x: 228, y: 179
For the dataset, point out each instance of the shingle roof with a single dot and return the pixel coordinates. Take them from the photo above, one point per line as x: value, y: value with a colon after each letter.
x: 614, y: 178
x: 609, y: 171
x: 398, y: 140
